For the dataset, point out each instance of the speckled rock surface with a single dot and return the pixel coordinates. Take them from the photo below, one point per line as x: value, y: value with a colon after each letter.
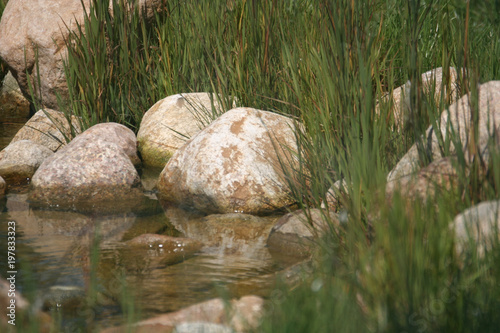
x: 46, y: 130
x: 20, y: 160
x: 293, y: 234
x: 440, y: 175
x: 164, y: 124
x: 114, y: 133
x: 479, y: 224
x: 242, y: 315
x: 457, y: 116
x: 86, y: 171
x: 432, y: 83
x: 232, y: 165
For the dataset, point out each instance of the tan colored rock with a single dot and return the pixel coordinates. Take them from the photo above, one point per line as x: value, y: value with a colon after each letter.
x: 114, y: 133
x: 438, y: 177
x: 28, y: 28
x: 86, y: 172
x: 233, y: 165
x: 293, y: 234
x: 168, y: 124
x: 478, y: 226
x: 432, y: 83
x: 20, y: 160
x: 458, y: 117
x: 36, y: 30
x: 48, y: 128
x: 14, y: 107
x: 242, y: 315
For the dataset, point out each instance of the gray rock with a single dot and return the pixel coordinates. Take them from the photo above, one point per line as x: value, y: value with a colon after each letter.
x: 20, y: 160
x: 458, y: 117
x: 233, y: 165
x: 48, y: 128
x: 293, y: 234
x: 91, y: 172
x: 202, y: 327
x: 479, y: 224
x: 168, y: 124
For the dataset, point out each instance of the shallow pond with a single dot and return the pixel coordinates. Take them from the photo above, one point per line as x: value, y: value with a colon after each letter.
x: 66, y: 260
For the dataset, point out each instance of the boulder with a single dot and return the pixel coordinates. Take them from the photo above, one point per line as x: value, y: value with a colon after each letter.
x: 115, y: 133
x: 48, y: 128
x: 478, y: 226
x: 293, y: 234
x: 168, y: 124
x: 432, y: 84
x: 20, y: 160
x: 457, y: 118
x: 3, y: 186
x: 233, y: 165
x: 37, y: 31
x: 87, y: 171
x: 14, y: 107
x: 439, y: 176
x: 241, y: 315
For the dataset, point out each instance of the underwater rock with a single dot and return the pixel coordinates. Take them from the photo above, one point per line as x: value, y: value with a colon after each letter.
x: 233, y: 165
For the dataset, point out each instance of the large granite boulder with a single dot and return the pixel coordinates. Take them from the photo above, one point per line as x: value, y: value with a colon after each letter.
x: 48, y: 128
x: 36, y: 31
x: 233, y: 165
x: 20, y: 160
x: 168, y: 124
x: 90, y: 170
x: 457, y: 118
x: 434, y: 83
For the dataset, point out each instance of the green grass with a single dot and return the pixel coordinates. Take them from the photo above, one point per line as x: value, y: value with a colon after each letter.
x: 327, y: 63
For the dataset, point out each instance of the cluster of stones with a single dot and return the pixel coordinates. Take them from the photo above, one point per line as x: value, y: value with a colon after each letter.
x: 230, y: 166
